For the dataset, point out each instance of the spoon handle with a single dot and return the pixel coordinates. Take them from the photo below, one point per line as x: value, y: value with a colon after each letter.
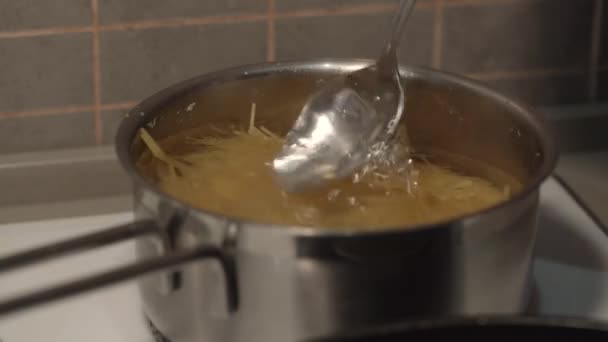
x: 398, y: 27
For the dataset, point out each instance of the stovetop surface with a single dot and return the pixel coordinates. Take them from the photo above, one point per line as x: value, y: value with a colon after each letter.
x: 571, y: 275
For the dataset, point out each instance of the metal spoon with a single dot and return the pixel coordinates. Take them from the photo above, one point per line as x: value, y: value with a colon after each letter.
x: 342, y: 125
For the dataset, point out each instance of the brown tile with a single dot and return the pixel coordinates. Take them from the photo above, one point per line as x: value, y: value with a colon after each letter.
x: 554, y: 90
x: 517, y: 35
x: 45, y: 71
x: 115, y: 11
x: 111, y: 120
x: 24, y: 134
x: 135, y: 64
x: 36, y: 14
x: 289, y: 5
x: 357, y: 36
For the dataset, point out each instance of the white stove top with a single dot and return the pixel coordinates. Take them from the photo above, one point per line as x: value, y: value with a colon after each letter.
x: 110, y: 314
x: 571, y: 273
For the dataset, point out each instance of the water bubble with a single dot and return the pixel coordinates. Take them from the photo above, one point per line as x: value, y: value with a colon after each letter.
x: 352, y: 201
x: 515, y: 131
x: 333, y: 194
x: 152, y: 123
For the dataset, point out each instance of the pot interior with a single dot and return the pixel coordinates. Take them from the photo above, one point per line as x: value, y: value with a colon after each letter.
x: 450, y: 119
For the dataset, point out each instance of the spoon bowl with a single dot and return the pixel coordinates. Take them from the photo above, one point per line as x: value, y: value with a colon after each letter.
x: 347, y: 122
x: 339, y: 129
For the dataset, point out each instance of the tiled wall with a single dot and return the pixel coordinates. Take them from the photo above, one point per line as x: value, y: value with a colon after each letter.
x: 70, y: 68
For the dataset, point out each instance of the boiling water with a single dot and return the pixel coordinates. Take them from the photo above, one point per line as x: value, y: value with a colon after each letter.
x: 231, y: 174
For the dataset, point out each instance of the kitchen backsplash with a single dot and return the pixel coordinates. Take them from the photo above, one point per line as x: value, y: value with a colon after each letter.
x: 70, y: 69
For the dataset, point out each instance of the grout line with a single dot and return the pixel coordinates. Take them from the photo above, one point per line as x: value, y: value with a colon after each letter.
x: 341, y: 11
x: 525, y: 74
x: 67, y: 110
x: 198, y: 21
x: 179, y: 22
x: 437, y: 35
x: 270, y: 32
x: 373, y: 8
x: 44, y: 32
x: 136, y: 25
x: 481, y: 2
x: 119, y: 105
x: 96, y: 73
x: 594, y: 54
x: 47, y: 111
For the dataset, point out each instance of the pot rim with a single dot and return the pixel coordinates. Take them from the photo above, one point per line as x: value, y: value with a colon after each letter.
x: 139, y: 115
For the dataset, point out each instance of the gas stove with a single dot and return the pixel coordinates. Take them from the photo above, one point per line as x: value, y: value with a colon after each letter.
x: 571, y: 275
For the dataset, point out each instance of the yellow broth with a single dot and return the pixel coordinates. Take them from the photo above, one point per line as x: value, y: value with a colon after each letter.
x: 231, y: 174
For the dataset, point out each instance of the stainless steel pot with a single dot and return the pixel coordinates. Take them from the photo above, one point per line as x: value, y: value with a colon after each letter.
x: 274, y: 283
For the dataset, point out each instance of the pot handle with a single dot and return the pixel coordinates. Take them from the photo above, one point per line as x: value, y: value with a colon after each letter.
x: 119, y: 274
